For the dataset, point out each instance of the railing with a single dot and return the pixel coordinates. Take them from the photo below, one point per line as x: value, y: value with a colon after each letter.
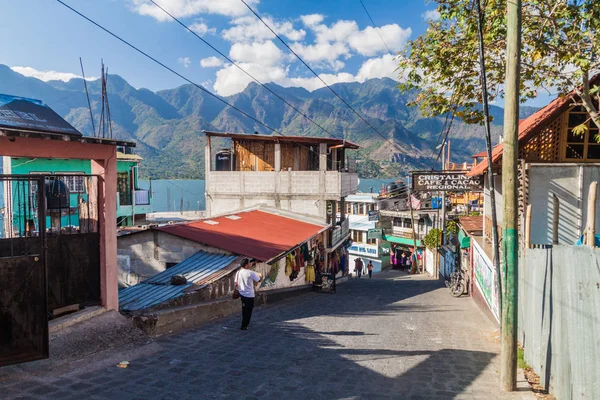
x: 142, y: 197
x: 340, y: 232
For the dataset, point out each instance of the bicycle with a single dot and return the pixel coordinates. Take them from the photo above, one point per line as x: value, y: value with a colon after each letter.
x: 456, y: 283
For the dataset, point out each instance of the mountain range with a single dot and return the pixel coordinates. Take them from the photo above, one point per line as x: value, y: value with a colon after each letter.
x: 167, y: 125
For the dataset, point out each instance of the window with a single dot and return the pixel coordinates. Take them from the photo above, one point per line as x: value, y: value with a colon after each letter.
x: 397, y: 222
x: 124, y: 188
x: 371, y: 241
x: 355, y: 208
x: 170, y: 265
x: 75, y: 183
x: 407, y: 223
x: 357, y: 236
x: 581, y: 147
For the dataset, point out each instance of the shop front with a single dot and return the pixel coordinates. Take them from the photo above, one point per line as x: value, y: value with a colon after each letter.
x: 379, y: 255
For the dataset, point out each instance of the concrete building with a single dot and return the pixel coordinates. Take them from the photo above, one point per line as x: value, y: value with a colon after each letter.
x: 375, y: 250
x: 555, y: 162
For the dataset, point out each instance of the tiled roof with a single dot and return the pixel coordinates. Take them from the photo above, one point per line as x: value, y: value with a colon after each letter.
x: 530, y: 125
x: 256, y: 234
x: 200, y: 269
x: 472, y: 224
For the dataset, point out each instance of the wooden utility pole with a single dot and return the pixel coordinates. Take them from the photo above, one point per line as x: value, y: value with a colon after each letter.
x: 510, y: 237
x: 590, y: 229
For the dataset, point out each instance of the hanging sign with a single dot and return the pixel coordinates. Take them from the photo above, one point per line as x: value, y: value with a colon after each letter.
x: 376, y: 233
x: 446, y: 181
x: 373, y: 215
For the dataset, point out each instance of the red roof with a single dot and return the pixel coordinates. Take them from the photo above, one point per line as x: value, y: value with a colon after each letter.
x: 472, y: 224
x: 529, y: 125
x: 255, y: 234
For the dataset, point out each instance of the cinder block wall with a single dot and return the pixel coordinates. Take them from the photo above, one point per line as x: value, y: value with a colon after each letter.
x: 145, y: 254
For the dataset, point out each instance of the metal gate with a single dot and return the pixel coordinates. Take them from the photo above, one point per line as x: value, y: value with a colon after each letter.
x: 23, y: 320
x: 49, y: 257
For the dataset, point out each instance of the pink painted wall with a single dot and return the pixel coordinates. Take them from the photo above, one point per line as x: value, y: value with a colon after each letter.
x: 104, y: 164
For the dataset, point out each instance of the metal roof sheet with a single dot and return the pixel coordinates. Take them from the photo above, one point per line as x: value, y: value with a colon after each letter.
x: 256, y: 234
x: 199, y: 269
x: 295, y: 139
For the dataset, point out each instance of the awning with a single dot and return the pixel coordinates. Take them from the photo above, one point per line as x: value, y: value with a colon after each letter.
x: 404, y: 241
x: 465, y: 242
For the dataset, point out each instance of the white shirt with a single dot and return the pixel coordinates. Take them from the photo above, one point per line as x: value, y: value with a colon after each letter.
x: 245, y: 280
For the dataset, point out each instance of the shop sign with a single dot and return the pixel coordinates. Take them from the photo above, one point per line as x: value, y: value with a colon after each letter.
x: 376, y: 233
x: 445, y: 181
x: 364, y: 249
x: 374, y: 216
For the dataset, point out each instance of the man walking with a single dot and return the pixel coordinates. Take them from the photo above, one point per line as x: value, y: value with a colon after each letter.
x: 245, y: 281
x: 370, y: 268
x: 358, y: 266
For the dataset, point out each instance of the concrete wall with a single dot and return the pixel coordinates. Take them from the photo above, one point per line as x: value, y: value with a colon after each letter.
x: 145, y: 254
x: 487, y: 199
x: 296, y: 191
x: 559, y: 323
x: 570, y: 183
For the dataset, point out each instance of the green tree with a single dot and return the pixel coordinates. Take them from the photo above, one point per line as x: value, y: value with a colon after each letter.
x: 433, y: 239
x: 560, y: 52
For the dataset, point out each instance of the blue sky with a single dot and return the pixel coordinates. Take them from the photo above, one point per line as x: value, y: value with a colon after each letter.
x: 335, y: 37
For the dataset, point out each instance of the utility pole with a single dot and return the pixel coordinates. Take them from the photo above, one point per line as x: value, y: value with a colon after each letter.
x: 444, y: 195
x: 508, y: 370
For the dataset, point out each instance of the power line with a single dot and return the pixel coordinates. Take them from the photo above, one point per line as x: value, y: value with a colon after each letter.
x: 168, y: 68
x: 375, y: 26
x: 240, y: 68
x: 318, y: 77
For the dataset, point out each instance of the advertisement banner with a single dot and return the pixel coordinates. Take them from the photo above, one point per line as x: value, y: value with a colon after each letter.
x: 376, y: 233
x: 485, y: 278
x: 446, y: 181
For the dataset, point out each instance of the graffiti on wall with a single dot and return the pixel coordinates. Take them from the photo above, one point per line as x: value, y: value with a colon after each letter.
x: 485, y: 278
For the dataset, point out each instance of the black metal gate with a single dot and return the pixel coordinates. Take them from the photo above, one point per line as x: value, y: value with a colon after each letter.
x: 23, y: 320
x: 49, y: 257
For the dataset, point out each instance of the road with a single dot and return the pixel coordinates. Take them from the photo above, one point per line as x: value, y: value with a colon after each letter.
x: 392, y: 337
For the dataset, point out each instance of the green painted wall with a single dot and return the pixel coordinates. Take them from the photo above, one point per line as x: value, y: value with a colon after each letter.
x: 26, y: 166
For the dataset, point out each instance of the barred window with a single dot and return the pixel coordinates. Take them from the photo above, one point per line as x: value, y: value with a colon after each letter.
x: 75, y: 183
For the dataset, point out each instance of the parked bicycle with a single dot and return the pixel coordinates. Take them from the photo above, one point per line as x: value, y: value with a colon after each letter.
x: 456, y: 283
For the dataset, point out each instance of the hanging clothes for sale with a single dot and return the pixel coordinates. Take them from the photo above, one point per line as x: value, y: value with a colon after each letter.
x: 299, y: 261
x: 289, y: 264
x: 310, y: 271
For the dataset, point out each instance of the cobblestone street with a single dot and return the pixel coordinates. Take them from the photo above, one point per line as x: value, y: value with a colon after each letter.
x: 392, y: 337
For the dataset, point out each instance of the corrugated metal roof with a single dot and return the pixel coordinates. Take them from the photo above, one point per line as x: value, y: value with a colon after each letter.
x: 360, y: 223
x: 199, y: 269
x: 255, y: 234
x: 361, y: 198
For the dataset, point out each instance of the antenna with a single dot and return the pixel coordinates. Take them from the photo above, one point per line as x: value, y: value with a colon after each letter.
x: 88, y: 96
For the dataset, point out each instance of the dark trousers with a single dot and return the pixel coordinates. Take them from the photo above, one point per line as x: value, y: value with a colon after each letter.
x: 370, y: 274
x: 247, y: 306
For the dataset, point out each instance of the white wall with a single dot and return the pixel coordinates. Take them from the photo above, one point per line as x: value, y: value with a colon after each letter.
x: 572, y: 192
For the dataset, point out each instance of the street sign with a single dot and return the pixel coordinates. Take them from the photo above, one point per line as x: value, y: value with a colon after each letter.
x: 446, y: 181
x: 373, y: 215
x: 376, y: 233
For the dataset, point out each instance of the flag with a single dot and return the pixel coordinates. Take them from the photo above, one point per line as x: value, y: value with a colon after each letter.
x: 415, y: 203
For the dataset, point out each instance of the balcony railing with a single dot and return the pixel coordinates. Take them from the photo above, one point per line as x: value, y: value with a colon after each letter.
x: 340, y: 232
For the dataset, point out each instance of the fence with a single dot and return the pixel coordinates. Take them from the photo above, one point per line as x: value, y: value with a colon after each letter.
x: 559, y: 318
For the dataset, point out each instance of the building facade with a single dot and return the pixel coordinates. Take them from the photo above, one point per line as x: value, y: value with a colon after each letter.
x: 375, y: 250
x: 303, y: 175
x: 131, y: 200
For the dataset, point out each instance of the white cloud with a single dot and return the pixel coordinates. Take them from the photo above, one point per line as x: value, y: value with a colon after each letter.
x: 185, y: 61
x: 432, y: 15
x: 230, y: 80
x: 312, y: 19
x: 323, y: 54
x: 250, y: 29
x: 381, y: 67
x: 267, y: 53
x: 202, y: 29
x: 368, y: 42
x: 189, y: 8
x: 48, y: 75
x: 338, y: 32
x: 211, y: 62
